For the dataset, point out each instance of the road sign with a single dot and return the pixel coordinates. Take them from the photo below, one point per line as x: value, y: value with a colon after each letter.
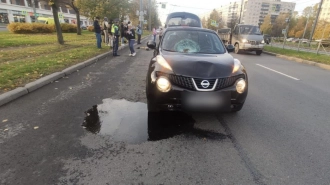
x: 283, y: 31
x: 145, y: 22
x: 141, y: 18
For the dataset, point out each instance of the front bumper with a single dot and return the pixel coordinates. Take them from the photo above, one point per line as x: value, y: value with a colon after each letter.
x: 174, y: 100
x: 251, y: 47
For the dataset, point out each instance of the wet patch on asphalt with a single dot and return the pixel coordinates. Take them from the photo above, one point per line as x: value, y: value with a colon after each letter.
x: 130, y: 122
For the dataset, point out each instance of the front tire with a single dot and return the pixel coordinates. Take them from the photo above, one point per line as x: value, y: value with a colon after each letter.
x: 237, y: 50
x: 259, y: 52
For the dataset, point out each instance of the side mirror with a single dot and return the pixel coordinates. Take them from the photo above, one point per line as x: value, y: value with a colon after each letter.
x: 151, y: 44
x: 230, y: 48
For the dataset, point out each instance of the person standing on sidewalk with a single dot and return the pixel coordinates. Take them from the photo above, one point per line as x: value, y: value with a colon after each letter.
x: 116, y: 38
x: 160, y: 34
x: 139, y: 33
x: 131, y: 39
x: 154, y: 33
x: 106, y: 31
x: 111, y: 33
x: 97, y: 29
x: 122, y: 32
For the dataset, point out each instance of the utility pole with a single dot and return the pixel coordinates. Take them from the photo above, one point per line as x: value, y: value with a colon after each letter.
x: 141, y: 14
x: 240, y: 13
x: 149, y: 21
x: 287, y: 20
x: 34, y: 10
x: 316, y: 20
x: 309, y: 15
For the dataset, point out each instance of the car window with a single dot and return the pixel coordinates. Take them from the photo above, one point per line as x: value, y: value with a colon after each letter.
x: 179, y: 21
x: 249, y: 30
x: 192, y: 42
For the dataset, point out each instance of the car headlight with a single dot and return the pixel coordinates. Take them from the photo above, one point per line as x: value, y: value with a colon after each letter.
x: 161, y: 61
x: 262, y: 42
x: 237, y: 65
x: 163, y: 84
x: 240, y: 85
x: 244, y: 41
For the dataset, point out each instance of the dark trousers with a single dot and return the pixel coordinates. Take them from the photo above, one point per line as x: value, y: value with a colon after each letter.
x: 139, y: 39
x: 115, y: 45
x: 160, y: 38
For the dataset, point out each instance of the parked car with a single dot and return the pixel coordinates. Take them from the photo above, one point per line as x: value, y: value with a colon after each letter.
x: 83, y: 27
x: 289, y: 39
x: 267, y: 39
x: 191, y: 70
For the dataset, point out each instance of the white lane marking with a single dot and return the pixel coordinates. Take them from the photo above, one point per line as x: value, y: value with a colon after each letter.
x: 277, y: 72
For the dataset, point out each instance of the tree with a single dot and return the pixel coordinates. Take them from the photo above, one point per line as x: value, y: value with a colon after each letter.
x: 280, y: 24
x: 213, y: 16
x: 103, y: 8
x: 266, y: 26
x: 55, y: 8
x: 204, y: 22
x: 73, y: 5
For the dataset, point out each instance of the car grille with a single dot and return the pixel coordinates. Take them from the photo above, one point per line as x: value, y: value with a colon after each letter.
x: 227, y: 82
x: 253, y: 42
x: 198, y: 82
x: 180, y: 81
x: 186, y: 82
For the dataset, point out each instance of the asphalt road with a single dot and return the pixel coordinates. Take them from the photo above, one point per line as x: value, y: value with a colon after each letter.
x: 92, y: 128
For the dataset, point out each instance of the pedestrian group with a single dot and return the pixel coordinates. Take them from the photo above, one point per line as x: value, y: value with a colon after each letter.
x: 112, y: 32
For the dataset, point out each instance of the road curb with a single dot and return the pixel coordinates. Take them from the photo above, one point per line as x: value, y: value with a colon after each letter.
x: 32, y: 86
x: 299, y: 60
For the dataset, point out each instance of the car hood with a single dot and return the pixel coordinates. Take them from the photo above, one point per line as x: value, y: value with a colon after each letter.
x: 201, y: 65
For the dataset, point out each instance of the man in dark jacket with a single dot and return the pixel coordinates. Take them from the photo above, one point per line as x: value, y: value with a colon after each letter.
x: 97, y: 29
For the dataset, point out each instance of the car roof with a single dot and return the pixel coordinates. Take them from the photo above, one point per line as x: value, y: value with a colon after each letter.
x: 188, y: 28
x: 183, y: 14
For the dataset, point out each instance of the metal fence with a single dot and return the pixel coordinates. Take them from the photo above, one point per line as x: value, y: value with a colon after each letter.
x: 318, y: 46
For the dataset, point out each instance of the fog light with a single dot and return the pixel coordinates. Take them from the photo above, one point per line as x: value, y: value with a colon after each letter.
x: 163, y: 84
x: 240, y: 85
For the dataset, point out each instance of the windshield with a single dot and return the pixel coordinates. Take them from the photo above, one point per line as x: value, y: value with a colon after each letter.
x: 249, y: 30
x: 179, y: 21
x: 192, y: 42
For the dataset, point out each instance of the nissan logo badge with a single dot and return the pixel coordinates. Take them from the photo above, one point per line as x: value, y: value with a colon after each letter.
x: 205, y: 84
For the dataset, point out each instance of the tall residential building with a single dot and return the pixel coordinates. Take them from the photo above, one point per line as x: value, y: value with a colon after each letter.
x: 255, y: 11
x: 325, y: 11
x: 230, y: 13
x: 22, y: 11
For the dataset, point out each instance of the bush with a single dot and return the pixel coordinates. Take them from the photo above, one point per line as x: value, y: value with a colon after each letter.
x: 20, y: 28
x: 91, y: 28
x: 68, y: 28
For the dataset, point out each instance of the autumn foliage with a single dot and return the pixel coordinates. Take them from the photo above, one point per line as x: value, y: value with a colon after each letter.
x: 20, y: 28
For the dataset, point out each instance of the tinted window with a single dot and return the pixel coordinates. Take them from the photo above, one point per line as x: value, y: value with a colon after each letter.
x: 192, y: 42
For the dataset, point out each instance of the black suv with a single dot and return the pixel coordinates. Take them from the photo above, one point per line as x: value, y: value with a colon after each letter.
x: 191, y: 70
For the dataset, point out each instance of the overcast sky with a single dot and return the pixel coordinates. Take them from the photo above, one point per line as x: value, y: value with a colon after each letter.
x: 201, y: 6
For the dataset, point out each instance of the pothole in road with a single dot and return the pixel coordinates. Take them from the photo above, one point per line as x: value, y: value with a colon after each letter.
x: 130, y: 122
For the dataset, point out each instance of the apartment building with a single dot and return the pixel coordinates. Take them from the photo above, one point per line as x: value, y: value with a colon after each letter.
x: 255, y: 11
x: 229, y: 13
x: 22, y: 11
x: 325, y: 11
